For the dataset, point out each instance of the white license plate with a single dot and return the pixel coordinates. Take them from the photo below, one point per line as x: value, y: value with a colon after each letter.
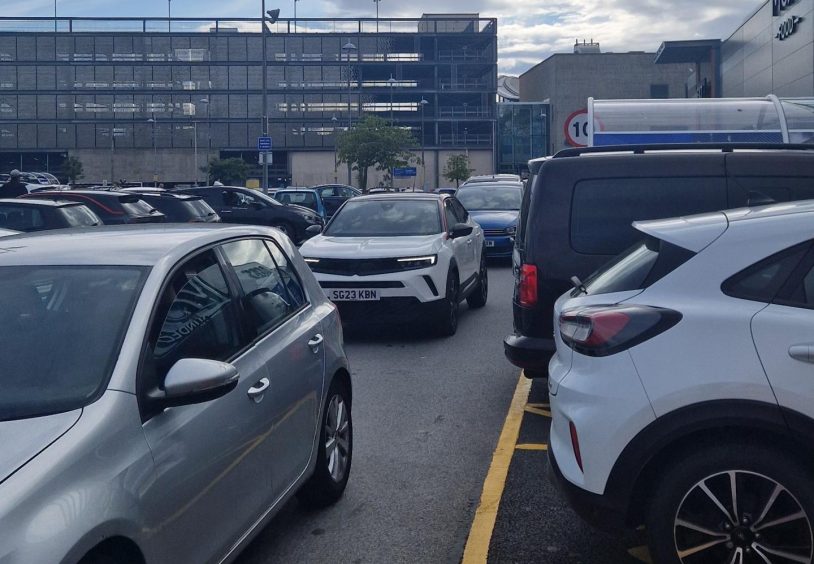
x: 490, y: 243
x: 353, y: 295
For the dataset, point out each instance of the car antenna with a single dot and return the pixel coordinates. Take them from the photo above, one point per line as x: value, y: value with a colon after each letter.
x: 579, y: 285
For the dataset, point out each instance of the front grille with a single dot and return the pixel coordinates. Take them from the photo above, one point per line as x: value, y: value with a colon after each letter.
x: 360, y: 285
x: 494, y: 232
x: 356, y: 267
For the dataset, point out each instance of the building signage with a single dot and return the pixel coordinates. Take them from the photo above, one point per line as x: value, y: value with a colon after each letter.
x: 779, y: 6
x: 404, y: 172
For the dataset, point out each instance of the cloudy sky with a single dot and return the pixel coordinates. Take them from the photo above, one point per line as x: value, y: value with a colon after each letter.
x: 529, y: 30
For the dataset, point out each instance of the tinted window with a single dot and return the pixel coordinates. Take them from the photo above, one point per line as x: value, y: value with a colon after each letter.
x: 603, y: 210
x: 452, y: 219
x: 21, y: 218
x: 196, y: 319
x: 289, y: 275
x: 762, y: 281
x: 490, y: 198
x: 137, y: 207
x: 306, y: 199
x: 460, y: 212
x: 80, y: 216
x: 642, y: 265
x: 77, y: 316
x: 267, y: 298
x: 386, y: 218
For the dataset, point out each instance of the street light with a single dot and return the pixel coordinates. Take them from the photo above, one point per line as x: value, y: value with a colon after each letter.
x: 392, y: 83
x: 349, y: 48
x: 335, y: 121
x: 153, y: 121
x: 55, y: 16
x: 273, y: 16
x: 169, y: 16
x: 205, y: 102
x: 424, y: 104
x: 295, y: 15
x: 377, y: 14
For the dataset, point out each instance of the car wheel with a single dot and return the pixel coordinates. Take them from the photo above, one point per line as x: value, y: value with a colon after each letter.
x: 335, y: 454
x: 737, y: 503
x: 481, y: 292
x: 448, y: 321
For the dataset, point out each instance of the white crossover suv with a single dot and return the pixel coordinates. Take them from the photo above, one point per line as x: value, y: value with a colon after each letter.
x: 682, y: 389
x: 401, y: 258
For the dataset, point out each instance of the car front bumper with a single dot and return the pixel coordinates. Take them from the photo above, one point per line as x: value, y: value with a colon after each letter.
x: 502, y: 246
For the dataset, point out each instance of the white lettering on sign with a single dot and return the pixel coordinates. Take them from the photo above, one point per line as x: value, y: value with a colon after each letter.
x: 778, y: 6
x: 788, y: 28
x: 576, y: 129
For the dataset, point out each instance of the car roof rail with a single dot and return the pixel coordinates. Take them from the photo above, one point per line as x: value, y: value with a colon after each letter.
x: 648, y: 148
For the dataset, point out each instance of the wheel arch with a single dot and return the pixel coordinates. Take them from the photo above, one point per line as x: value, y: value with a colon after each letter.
x: 634, y: 475
x: 118, y: 548
x: 342, y: 375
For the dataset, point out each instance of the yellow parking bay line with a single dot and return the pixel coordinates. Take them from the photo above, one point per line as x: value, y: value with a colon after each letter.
x: 531, y: 447
x: 537, y: 411
x: 480, y: 535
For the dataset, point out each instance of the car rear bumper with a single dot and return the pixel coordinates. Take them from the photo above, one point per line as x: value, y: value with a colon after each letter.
x: 529, y: 353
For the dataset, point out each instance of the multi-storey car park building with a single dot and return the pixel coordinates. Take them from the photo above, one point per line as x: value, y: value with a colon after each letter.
x: 153, y: 99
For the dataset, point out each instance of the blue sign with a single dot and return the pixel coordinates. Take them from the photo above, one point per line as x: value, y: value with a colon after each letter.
x: 404, y: 172
x: 264, y: 143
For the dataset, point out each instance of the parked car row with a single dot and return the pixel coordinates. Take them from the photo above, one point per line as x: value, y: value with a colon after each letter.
x: 680, y: 381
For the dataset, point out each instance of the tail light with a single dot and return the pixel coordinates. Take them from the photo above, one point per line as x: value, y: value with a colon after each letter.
x: 527, y: 290
x: 607, y: 330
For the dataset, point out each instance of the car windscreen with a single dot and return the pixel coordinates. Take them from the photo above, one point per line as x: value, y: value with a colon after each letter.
x: 181, y: 210
x: 257, y: 195
x: 135, y: 206
x: 490, y: 197
x: 61, y: 329
x: 306, y: 199
x: 80, y: 216
x: 386, y: 218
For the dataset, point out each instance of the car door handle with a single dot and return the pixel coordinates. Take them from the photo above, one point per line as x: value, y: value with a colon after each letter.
x: 256, y: 392
x: 803, y: 353
x: 315, y: 342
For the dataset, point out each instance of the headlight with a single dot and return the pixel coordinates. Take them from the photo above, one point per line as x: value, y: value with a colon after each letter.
x: 511, y: 230
x: 412, y: 263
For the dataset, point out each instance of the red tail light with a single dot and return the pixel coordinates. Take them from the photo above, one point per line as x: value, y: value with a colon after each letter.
x: 607, y: 330
x: 575, y: 444
x: 527, y: 290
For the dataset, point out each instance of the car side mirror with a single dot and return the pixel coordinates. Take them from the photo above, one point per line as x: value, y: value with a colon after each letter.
x: 196, y: 380
x: 313, y: 230
x: 461, y: 230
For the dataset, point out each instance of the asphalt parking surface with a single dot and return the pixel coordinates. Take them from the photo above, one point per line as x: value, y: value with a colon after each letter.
x: 428, y: 413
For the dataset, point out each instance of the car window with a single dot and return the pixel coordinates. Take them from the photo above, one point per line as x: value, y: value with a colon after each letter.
x: 211, y: 196
x: 603, y: 210
x: 762, y: 281
x: 306, y: 199
x: 386, y: 217
x: 62, y: 328
x: 452, y: 219
x: 287, y: 271
x: 347, y: 193
x: 490, y: 198
x: 196, y: 318
x: 266, y: 296
x: 21, y: 218
x: 460, y: 212
x: 80, y: 216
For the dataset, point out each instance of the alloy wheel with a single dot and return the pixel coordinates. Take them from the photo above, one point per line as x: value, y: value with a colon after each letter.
x: 741, y: 517
x: 337, y: 438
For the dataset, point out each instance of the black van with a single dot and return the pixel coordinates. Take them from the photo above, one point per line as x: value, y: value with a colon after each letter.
x: 578, y: 211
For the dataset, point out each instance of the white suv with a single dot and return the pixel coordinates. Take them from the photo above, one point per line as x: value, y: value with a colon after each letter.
x: 401, y: 257
x: 682, y: 389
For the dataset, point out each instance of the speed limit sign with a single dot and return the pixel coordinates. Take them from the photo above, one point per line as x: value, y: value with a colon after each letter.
x: 576, y: 129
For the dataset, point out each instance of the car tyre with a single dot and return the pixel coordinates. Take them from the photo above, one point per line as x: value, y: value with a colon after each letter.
x: 335, y: 451
x: 480, y: 294
x: 448, y: 320
x: 769, y: 486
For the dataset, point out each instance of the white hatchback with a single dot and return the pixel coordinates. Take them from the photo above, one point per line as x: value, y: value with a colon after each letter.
x: 682, y: 389
x: 401, y: 258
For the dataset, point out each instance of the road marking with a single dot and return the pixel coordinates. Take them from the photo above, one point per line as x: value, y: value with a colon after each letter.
x: 641, y: 553
x: 539, y: 405
x: 480, y: 535
x: 537, y: 411
x: 531, y: 447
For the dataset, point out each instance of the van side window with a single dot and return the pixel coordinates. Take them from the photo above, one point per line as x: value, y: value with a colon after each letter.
x: 603, y: 210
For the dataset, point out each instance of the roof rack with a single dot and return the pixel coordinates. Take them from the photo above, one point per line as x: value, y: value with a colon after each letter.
x: 641, y: 149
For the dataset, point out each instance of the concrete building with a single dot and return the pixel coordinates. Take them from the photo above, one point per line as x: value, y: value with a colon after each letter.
x: 153, y: 99
x: 565, y: 81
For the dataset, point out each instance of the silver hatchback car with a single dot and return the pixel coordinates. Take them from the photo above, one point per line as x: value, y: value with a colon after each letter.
x: 163, y: 391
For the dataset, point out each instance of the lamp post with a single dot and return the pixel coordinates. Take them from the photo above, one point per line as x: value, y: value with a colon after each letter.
x: 392, y: 83
x: 295, y: 15
x: 424, y: 104
x: 349, y: 48
x: 153, y: 121
x: 377, y: 14
x: 335, y: 121
x: 169, y: 16
x: 466, y: 146
x: 55, y: 16
x: 205, y: 102
x: 273, y: 15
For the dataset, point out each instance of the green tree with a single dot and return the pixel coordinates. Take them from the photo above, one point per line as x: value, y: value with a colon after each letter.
x: 72, y: 169
x: 374, y: 143
x: 457, y: 169
x: 227, y: 171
